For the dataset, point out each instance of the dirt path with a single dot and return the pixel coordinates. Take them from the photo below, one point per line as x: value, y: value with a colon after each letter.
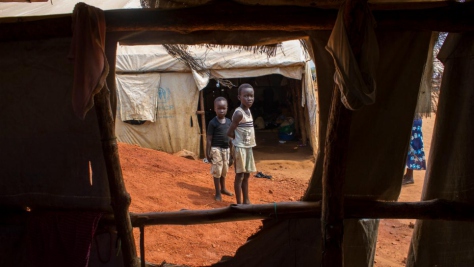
x: 158, y: 181
x: 395, y: 235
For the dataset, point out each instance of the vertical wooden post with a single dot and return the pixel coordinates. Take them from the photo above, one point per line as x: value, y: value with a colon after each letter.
x: 203, y: 122
x: 300, y: 110
x: 336, y: 150
x: 142, y: 246
x: 110, y: 52
x: 294, y: 106
x: 120, y: 197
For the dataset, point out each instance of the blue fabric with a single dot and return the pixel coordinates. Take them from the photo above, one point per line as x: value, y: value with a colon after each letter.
x: 416, y: 153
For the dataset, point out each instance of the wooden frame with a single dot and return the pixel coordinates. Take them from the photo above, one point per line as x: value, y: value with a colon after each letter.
x: 437, y: 209
x: 450, y: 17
x: 333, y: 209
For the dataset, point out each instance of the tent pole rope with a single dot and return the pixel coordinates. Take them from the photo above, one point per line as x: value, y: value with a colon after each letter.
x: 335, y: 159
x: 119, y: 195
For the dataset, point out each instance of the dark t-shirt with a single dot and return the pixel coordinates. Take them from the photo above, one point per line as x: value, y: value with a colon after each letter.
x: 219, y: 132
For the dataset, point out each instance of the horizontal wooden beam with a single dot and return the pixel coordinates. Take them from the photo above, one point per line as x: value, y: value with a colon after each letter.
x: 455, y: 17
x: 353, y: 209
x: 437, y: 209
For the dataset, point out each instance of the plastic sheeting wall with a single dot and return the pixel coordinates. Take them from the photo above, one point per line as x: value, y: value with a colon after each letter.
x: 310, y: 97
x: 380, y: 133
x: 379, y: 141
x: 49, y: 158
x: 137, y: 91
x: 450, y: 170
x: 176, y: 126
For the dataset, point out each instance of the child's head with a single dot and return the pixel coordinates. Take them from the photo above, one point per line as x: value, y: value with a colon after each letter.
x: 245, y: 94
x: 220, y: 107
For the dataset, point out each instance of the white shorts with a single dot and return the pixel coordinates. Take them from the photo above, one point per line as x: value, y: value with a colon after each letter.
x: 243, y: 160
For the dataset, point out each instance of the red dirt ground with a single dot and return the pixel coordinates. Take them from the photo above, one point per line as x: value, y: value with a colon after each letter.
x: 158, y: 181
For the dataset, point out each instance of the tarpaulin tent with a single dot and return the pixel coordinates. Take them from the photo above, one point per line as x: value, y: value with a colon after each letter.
x: 155, y: 87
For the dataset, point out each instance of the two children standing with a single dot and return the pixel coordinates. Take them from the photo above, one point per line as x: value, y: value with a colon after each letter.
x: 232, y: 141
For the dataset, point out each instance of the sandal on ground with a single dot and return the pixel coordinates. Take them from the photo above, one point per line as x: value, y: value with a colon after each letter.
x: 262, y: 175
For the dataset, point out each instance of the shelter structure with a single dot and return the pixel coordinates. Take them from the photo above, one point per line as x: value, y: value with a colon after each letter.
x: 159, y: 96
x: 59, y: 159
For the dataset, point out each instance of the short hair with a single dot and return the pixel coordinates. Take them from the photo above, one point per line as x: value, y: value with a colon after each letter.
x: 244, y: 86
x: 220, y: 98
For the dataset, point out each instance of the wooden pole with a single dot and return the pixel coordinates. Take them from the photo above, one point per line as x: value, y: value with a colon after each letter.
x: 336, y: 150
x: 449, y: 17
x: 300, y: 110
x: 436, y: 209
x: 119, y: 196
x: 142, y: 245
x: 203, y: 122
x: 295, y: 106
x: 110, y: 52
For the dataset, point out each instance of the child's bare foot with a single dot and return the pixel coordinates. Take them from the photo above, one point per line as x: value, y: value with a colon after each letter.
x: 227, y: 193
x: 218, y: 197
x: 247, y: 202
x: 408, y: 180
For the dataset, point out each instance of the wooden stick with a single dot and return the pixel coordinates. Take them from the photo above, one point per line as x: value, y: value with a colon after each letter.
x: 110, y: 52
x: 294, y: 106
x: 118, y: 193
x: 336, y: 150
x: 451, y: 17
x: 436, y: 209
x: 300, y: 111
x: 221, y: 16
x: 203, y: 123
x: 142, y: 245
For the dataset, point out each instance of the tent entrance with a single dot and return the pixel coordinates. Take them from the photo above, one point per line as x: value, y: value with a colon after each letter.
x: 278, y: 122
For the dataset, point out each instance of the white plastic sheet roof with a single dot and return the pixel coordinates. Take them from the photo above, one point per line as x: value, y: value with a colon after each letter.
x: 55, y: 7
x: 143, y: 58
x: 289, y: 61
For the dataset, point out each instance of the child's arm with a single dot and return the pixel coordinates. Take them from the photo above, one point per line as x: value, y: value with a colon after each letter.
x: 208, y: 148
x: 231, y: 151
x: 236, y: 118
x: 210, y: 133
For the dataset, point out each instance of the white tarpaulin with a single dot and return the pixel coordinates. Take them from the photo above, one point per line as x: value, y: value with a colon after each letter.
x: 229, y: 63
x: 55, y: 7
x: 310, y: 96
x: 176, y: 126
x: 173, y: 126
x: 138, y: 96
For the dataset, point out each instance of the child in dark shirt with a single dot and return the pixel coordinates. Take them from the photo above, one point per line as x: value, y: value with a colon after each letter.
x: 217, y: 147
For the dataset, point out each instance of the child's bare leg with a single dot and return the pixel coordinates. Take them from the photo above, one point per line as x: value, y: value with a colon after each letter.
x: 218, y: 196
x: 238, y: 187
x: 223, y: 189
x: 245, y: 188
